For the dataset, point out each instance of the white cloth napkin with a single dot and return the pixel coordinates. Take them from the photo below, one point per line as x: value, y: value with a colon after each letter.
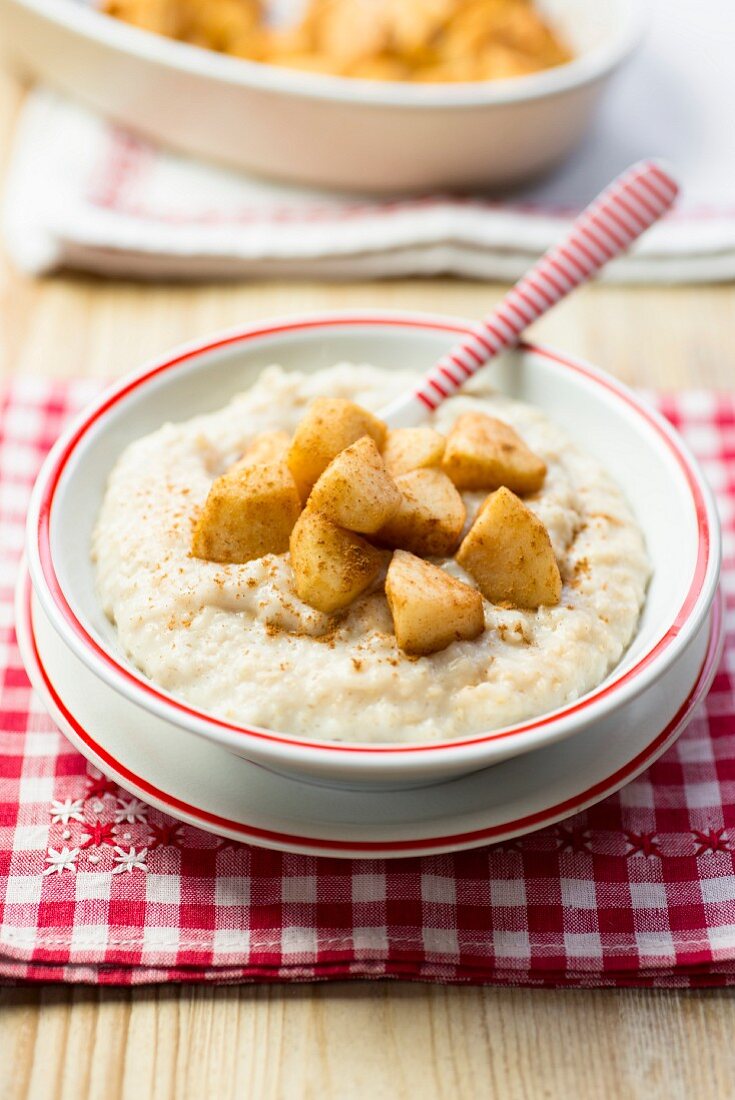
x: 82, y: 193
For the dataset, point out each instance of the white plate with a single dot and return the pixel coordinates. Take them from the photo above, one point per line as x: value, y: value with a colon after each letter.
x: 205, y: 785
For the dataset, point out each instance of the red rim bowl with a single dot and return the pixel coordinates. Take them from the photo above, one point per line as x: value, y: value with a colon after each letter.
x: 281, y: 749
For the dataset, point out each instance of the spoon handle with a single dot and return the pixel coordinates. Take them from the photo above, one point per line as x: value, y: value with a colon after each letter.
x: 604, y: 229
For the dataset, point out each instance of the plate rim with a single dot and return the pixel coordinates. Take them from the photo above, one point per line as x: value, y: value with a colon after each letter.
x: 251, y: 834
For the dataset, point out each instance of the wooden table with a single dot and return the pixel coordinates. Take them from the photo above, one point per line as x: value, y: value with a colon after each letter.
x: 382, y: 1040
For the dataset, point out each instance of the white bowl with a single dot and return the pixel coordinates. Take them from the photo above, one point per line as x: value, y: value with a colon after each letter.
x: 354, y: 134
x: 645, y: 455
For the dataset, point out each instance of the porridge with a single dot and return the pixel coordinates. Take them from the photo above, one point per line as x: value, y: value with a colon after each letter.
x: 419, y: 585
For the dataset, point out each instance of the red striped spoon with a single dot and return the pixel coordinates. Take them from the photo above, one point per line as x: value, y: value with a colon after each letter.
x: 607, y: 227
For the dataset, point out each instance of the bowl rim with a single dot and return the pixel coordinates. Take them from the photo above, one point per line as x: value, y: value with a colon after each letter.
x: 543, y: 729
x: 589, y: 66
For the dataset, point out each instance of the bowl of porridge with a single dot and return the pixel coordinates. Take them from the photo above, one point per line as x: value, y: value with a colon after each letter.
x: 233, y: 541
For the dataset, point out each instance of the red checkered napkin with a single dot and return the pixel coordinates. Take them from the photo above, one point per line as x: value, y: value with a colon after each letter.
x: 95, y: 886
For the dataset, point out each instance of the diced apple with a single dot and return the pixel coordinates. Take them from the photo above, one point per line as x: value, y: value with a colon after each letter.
x: 430, y: 608
x: 330, y: 425
x: 485, y: 453
x: 430, y: 516
x: 409, y: 449
x: 248, y: 513
x: 265, y: 447
x: 509, y: 553
x: 331, y: 566
x: 356, y: 491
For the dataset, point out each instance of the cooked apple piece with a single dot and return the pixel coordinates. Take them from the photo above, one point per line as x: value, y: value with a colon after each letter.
x: 409, y: 449
x: 485, y: 453
x: 509, y: 553
x: 248, y: 513
x: 430, y: 516
x: 330, y: 425
x: 356, y: 491
x: 331, y: 566
x: 265, y: 447
x: 430, y: 608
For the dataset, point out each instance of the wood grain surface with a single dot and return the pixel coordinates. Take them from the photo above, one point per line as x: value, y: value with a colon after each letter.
x: 371, y: 1040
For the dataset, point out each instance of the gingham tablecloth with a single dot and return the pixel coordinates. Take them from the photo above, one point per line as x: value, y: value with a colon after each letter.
x: 95, y: 886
